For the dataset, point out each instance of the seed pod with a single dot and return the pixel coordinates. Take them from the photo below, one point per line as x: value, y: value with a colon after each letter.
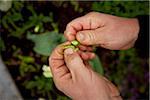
x: 69, y: 46
x: 75, y: 43
x: 76, y: 49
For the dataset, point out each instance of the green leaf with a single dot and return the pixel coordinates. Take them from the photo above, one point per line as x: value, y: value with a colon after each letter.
x: 96, y: 65
x: 30, y: 85
x: 26, y: 59
x: 16, y: 17
x: 45, y: 43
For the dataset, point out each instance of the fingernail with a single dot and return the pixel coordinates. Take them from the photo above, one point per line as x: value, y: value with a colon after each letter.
x: 81, y: 36
x: 69, y: 51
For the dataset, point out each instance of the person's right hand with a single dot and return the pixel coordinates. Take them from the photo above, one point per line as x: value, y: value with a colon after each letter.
x: 74, y: 76
x: 108, y: 31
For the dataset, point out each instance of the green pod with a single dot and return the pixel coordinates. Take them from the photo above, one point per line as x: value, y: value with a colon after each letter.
x: 75, y: 43
x: 69, y: 46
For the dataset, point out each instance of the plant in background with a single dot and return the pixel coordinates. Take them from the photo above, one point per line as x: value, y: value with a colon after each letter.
x: 45, y: 42
x: 47, y: 71
x: 15, y: 16
x: 119, y: 8
x: 23, y: 21
x: 76, y: 6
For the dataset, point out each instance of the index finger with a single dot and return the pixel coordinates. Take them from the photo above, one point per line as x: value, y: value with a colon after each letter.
x: 76, y: 25
x: 56, y: 58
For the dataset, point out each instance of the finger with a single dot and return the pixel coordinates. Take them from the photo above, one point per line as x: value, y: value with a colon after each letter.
x: 61, y: 72
x: 74, y: 63
x: 56, y: 61
x: 58, y: 51
x: 85, y: 48
x: 76, y: 25
x: 91, y: 37
x: 87, y: 55
x: 70, y: 35
x: 82, y: 47
x: 89, y: 48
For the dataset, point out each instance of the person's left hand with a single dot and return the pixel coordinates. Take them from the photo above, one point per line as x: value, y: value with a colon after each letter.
x: 73, y: 76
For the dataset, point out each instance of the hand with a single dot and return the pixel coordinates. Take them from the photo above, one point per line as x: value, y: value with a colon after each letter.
x: 73, y: 76
x: 108, y: 31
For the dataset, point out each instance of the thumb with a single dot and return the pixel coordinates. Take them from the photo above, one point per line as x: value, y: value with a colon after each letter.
x: 90, y: 37
x: 74, y: 63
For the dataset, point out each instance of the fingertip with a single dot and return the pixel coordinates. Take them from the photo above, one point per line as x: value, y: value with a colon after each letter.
x: 92, y: 55
x: 70, y: 32
x: 69, y: 36
x: 82, y: 47
x: 68, y: 51
x: 84, y: 56
x: 89, y: 49
x: 87, y: 55
x: 85, y: 48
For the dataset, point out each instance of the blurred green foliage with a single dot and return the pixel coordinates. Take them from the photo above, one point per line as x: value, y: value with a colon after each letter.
x: 15, y: 16
x: 46, y: 42
x: 128, y: 63
x: 40, y: 84
x: 122, y: 8
x: 32, y: 27
x: 97, y: 65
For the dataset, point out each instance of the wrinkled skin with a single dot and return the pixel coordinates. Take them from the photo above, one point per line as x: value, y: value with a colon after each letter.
x: 73, y: 76
x: 108, y: 31
x: 72, y: 73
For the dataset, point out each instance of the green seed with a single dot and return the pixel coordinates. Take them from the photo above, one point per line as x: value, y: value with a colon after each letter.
x: 69, y: 46
x: 75, y: 43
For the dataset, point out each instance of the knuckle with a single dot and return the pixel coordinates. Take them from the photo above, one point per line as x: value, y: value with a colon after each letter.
x: 91, y: 37
x: 68, y: 25
x: 92, y: 13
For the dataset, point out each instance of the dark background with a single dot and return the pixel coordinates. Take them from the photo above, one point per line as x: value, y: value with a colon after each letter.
x: 126, y: 69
